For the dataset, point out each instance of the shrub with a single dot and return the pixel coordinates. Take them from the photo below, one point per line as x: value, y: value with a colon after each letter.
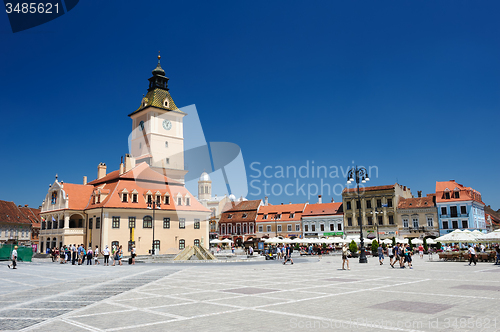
x: 374, y: 246
x: 438, y: 245
x: 411, y: 244
x: 353, y: 247
x: 426, y: 247
x: 393, y: 241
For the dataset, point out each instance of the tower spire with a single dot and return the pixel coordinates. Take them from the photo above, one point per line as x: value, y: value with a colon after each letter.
x: 158, y: 71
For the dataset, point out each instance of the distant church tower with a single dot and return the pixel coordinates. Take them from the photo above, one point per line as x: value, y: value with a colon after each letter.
x: 204, y: 187
x: 157, y: 129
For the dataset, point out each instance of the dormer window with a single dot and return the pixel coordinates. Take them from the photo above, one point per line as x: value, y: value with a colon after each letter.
x: 293, y: 215
x: 165, y: 102
x: 167, y: 200
x: 158, y: 200
x: 188, y: 201
x: 134, y: 198
x: 264, y: 217
x: 179, y: 201
x: 149, y: 199
x: 244, y: 215
x: 278, y: 216
x: 229, y: 216
x: 124, y: 197
x: 447, y: 195
x: 456, y: 194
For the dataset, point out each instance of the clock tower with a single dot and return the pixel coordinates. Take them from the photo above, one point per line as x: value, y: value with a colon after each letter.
x: 157, y: 129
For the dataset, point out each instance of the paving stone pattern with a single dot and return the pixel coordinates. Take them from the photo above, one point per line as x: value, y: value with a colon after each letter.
x: 311, y: 295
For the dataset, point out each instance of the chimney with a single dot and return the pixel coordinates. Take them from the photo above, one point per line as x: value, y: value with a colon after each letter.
x: 419, y: 193
x: 84, y: 180
x: 101, y: 171
x: 121, y: 166
x: 319, y: 199
x: 129, y: 163
x: 266, y: 201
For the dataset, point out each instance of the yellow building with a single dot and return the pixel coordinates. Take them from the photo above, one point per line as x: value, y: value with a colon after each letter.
x: 143, y: 205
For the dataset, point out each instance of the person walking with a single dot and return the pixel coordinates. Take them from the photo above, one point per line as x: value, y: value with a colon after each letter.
x: 288, y: 254
x: 390, y: 253
x: 13, y: 257
x: 497, y: 249
x: 472, y: 255
x: 105, y: 253
x: 96, y: 255
x: 132, y: 254
x: 90, y: 255
x: 345, y: 256
x: 73, y: 254
x: 120, y: 255
x: 380, y: 251
x: 421, y: 251
x: 402, y: 256
x: 408, y: 254
x: 396, y: 255
x: 114, y: 252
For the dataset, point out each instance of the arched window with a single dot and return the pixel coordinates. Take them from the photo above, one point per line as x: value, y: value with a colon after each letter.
x: 54, y: 197
x: 197, y: 242
x: 147, y: 222
x: 182, y: 244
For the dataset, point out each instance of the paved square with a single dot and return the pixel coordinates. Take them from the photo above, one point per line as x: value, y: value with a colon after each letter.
x: 311, y: 295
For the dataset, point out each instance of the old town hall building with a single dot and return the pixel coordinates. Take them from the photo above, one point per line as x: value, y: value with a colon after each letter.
x: 144, y: 202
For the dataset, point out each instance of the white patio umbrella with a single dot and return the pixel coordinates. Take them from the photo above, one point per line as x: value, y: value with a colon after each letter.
x: 430, y: 241
x: 403, y: 241
x: 417, y: 241
x: 490, y: 237
x: 216, y: 241
x: 229, y: 241
x: 457, y: 236
x: 387, y: 241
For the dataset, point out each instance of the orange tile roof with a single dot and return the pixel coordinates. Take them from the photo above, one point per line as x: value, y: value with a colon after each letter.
x: 416, y: 202
x: 141, y: 172
x: 465, y: 193
x: 32, y: 214
x: 238, y: 210
x: 78, y: 194
x: 373, y: 188
x: 285, y: 210
x: 322, y: 209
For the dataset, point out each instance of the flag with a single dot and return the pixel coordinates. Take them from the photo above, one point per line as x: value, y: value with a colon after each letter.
x: 43, y: 219
x: 53, y: 219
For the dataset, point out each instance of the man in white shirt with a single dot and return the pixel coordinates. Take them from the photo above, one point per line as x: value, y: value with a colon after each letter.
x: 472, y: 255
x: 14, y: 258
x: 96, y: 254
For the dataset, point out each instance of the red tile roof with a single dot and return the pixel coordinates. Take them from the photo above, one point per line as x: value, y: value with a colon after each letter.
x: 32, y: 214
x: 285, y: 210
x: 78, y: 195
x: 10, y: 213
x: 465, y: 193
x: 361, y: 189
x: 322, y: 209
x: 240, y: 211
x: 416, y: 202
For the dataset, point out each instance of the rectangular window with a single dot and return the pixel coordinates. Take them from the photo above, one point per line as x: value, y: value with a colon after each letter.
x: 322, y: 227
x: 297, y: 227
x: 268, y: 228
x: 430, y: 222
x: 306, y: 228
x: 279, y: 228
x: 289, y: 228
x: 465, y: 224
x: 415, y: 222
x: 405, y: 223
x: 197, y: 224
x: 389, y: 202
x: 292, y: 215
x: 370, y: 221
x: 443, y: 210
x: 379, y: 203
x: 445, y: 224
x: 381, y: 220
x: 167, y: 200
x: 182, y: 223
x: 463, y: 210
x: 149, y: 199
x: 167, y: 161
x: 182, y: 244
x: 348, y: 205
x: 264, y: 217
x: 116, y: 222
x: 188, y: 201
x: 98, y: 222
x: 332, y: 227
x: 124, y: 198
x: 457, y: 194
x: 313, y: 228
x: 453, y: 211
x: 339, y: 227
x: 131, y: 222
x: 455, y: 224
x: 261, y: 229
x: 278, y: 216
x: 166, y: 223
x: 358, y: 205
x: 91, y: 221
x: 134, y: 198
x: 368, y: 204
x: 447, y: 195
x: 179, y: 201
x: 158, y: 200
x: 349, y: 221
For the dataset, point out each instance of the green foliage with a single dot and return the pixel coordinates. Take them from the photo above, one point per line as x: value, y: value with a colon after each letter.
x: 374, y: 246
x: 411, y: 244
x: 393, y: 241
x: 384, y: 246
x: 297, y: 247
x: 353, y: 247
x: 324, y: 245
x: 426, y: 247
x: 438, y: 245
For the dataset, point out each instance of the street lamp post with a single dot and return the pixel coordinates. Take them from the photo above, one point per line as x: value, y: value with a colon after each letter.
x: 359, y: 174
x: 153, y: 205
x: 376, y: 213
x: 276, y: 224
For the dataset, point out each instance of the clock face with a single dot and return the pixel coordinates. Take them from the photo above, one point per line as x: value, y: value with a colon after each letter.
x: 141, y: 125
x: 167, y: 124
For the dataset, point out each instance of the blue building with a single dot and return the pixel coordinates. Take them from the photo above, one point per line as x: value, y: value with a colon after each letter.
x: 459, y: 207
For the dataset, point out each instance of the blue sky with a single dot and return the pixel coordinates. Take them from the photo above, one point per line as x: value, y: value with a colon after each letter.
x: 409, y: 87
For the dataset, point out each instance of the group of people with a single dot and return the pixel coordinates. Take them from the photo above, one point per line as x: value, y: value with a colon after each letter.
x: 400, y: 253
x: 78, y: 254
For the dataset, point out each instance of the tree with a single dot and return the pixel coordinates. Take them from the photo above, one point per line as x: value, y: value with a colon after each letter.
x: 374, y: 246
x: 353, y: 247
x: 426, y: 247
x: 393, y: 241
x: 438, y: 245
x: 411, y: 244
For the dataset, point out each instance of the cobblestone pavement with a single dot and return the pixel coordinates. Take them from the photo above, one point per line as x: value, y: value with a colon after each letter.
x: 311, y: 295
